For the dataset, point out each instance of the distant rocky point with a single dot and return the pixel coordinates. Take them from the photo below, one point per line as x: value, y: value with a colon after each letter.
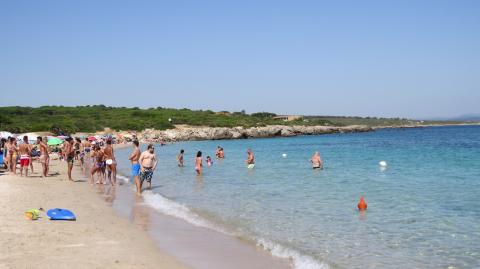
x: 222, y: 133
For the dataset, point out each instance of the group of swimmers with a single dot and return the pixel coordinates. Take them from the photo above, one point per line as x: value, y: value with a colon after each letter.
x: 316, y: 160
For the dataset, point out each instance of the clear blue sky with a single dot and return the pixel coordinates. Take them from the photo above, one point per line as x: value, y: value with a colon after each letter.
x: 416, y: 59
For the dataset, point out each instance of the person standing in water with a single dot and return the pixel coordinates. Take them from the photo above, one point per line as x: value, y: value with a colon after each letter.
x: 43, y: 155
x: 251, y: 158
x: 180, y: 158
x: 25, y: 152
x: 198, y: 163
x: 134, y: 157
x: 111, y: 162
x: 316, y: 161
x: 148, y: 163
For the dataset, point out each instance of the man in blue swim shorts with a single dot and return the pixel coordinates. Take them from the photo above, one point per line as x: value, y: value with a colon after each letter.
x: 136, y: 166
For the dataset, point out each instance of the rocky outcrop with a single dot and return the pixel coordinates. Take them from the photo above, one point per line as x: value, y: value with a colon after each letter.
x: 221, y: 133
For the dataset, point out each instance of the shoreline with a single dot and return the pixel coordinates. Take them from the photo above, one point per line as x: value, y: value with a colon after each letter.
x: 426, y: 126
x: 186, y: 241
x: 99, y: 238
x: 192, y: 133
x: 113, y: 221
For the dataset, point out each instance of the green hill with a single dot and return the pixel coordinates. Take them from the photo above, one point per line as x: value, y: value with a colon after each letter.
x: 95, y: 118
x: 58, y: 119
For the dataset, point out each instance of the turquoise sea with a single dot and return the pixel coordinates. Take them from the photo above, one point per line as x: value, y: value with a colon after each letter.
x: 423, y: 209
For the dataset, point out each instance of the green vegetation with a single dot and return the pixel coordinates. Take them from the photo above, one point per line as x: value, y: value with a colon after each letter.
x: 374, y: 121
x: 59, y: 119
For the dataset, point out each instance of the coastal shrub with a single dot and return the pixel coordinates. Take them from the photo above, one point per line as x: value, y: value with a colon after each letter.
x: 91, y: 118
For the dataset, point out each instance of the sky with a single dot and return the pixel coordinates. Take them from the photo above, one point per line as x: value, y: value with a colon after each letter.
x: 412, y: 59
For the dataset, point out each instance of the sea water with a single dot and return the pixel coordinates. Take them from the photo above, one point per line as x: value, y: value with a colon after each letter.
x: 423, y: 208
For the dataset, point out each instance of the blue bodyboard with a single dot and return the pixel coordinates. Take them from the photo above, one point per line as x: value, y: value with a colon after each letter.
x: 60, y: 214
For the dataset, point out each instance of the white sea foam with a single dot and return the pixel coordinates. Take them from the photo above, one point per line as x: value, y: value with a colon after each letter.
x: 300, y: 261
x: 174, y: 209
x: 171, y: 208
x: 124, y: 178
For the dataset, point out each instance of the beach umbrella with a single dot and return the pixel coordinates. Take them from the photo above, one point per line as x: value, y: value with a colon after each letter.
x: 54, y: 141
x: 92, y: 138
x: 32, y: 137
x: 5, y: 134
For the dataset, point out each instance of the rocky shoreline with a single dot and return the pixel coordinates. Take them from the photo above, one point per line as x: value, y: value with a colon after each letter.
x: 222, y: 133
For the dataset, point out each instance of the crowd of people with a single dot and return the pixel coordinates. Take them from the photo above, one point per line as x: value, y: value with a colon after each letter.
x: 97, y: 159
x: 24, y: 154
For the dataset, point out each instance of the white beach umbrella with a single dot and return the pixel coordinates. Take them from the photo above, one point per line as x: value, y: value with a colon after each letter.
x: 5, y: 134
x: 32, y: 137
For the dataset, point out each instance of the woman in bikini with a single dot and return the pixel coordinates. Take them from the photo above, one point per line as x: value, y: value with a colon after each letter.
x: 98, y: 165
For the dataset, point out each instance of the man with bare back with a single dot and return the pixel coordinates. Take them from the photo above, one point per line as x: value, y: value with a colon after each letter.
x: 25, y: 151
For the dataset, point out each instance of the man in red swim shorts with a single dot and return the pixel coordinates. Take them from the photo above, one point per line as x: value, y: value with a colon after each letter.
x: 25, y: 151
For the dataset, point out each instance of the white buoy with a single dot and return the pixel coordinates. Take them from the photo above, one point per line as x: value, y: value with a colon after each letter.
x: 383, y: 164
x: 284, y: 155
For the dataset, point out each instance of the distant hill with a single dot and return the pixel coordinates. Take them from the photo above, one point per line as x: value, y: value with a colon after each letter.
x: 464, y: 118
x: 467, y: 117
x: 63, y: 119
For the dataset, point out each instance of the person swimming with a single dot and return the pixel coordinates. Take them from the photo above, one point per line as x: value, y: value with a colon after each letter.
x: 209, y: 161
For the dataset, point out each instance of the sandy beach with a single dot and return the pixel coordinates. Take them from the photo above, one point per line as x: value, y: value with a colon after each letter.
x: 98, y: 239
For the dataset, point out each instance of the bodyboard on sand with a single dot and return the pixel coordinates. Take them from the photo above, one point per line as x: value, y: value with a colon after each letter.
x: 60, y: 214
